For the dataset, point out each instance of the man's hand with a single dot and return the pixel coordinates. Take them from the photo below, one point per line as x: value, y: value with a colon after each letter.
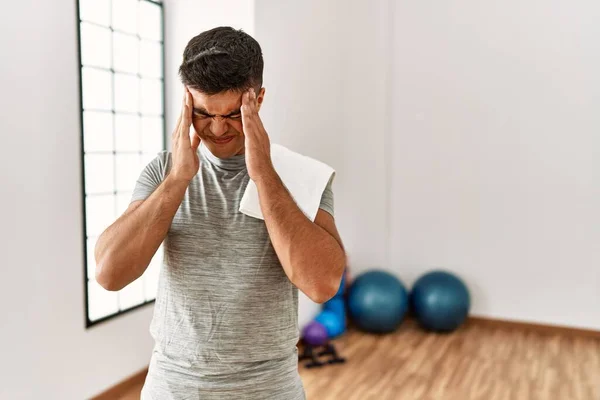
x: 311, y: 253
x: 184, y: 150
x: 258, y: 146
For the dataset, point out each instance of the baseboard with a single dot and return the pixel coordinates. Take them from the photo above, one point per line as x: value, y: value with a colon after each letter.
x: 540, y: 328
x: 124, y: 387
x: 509, y: 324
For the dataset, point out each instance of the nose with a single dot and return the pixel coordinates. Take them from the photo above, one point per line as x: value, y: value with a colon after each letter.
x: 218, y: 126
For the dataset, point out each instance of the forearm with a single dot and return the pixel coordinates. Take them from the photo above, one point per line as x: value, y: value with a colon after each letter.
x: 125, y: 249
x: 311, y: 257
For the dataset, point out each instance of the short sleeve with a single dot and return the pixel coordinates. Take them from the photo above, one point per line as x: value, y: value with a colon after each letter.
x: 327, y: 197
x: 151, y: 177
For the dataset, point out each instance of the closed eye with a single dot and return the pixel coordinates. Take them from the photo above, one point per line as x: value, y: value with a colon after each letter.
x: 199, y: 114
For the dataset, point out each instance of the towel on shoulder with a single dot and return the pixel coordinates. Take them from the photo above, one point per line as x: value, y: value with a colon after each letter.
x: 304, y: 177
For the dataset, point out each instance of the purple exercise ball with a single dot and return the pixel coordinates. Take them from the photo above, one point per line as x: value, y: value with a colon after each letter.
x: 315, y: 334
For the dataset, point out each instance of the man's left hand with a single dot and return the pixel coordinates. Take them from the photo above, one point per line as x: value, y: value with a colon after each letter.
x: 258, y: 146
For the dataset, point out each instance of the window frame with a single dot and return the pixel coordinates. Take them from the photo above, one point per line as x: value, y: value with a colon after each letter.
x: 88, y: 322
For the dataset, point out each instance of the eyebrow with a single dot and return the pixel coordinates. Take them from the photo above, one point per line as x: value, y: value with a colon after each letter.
x: 201, y: 110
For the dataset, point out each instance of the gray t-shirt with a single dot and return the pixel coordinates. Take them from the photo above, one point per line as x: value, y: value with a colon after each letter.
x: 225, y: 320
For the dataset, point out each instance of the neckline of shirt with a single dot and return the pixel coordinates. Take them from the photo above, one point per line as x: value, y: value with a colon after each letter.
x: 234, y: 163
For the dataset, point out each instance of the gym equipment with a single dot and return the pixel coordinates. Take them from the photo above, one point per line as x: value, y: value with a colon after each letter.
x: 377, y: 301
x: 337, y: 305
x: 342, y: 287
x: 333, y: 322
x: 440, y: 301
x: 315, y: 336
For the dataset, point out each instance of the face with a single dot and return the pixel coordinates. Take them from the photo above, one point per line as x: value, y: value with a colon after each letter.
x: 217, y: 119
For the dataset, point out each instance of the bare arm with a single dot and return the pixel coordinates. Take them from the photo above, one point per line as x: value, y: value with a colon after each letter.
x: 311, y: 254
x: 125, y: 248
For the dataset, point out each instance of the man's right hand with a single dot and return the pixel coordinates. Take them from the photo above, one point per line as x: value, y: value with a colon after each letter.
x: 184, y: 149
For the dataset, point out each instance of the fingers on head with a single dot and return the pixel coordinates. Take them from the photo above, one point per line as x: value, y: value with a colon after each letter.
x: 187, y: 113
x: 177, y: 126
x: 246, y: 109
x: 248, y: 105
x: 187, y: 119
x: 187, y: 101
x: 184, y: 99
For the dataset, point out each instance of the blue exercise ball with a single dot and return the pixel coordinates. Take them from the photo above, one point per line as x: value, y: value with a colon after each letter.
x: 377, y: 302
x: 337, y: 305
x: 440, y: 301
x: 342, y: 287
x: 334, y: 323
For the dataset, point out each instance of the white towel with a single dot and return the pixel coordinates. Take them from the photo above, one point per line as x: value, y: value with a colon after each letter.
x: 304, y: 177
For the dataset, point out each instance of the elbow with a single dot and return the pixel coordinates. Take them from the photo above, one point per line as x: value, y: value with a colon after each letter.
x: 322, y: 282
x: 326, y: 290
x: 102, y: 272
x: 321, y: 296
x: 105, y: 278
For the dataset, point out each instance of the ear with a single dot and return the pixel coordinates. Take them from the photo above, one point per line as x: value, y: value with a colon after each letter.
x: 260, y: 97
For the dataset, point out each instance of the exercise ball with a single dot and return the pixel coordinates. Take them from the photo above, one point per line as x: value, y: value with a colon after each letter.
x: 314, y: 334
x: 440, y: 301
x: 337, y: 305
x: 342, y: 287
x: 377, y: 302
x: 334, y: 324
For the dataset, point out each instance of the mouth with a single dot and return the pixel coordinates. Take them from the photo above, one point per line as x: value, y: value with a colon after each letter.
x: 221, y: 140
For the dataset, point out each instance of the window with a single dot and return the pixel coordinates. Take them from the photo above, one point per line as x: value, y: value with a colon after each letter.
x: 122, y: 123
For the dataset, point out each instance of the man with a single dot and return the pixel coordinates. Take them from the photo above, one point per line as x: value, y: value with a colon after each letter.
x: 226, y: 315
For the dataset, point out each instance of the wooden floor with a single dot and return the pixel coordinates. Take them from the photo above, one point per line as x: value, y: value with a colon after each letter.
x: 477, y: 362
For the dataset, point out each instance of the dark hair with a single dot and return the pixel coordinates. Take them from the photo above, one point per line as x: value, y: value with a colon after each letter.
x: 222, y: 59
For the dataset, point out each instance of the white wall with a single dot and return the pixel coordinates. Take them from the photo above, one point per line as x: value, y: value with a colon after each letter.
x: 463, y: 136
x: 493, y: 148
x: 46, y: 351
x: 325, y: 79
x: 496, y: 138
